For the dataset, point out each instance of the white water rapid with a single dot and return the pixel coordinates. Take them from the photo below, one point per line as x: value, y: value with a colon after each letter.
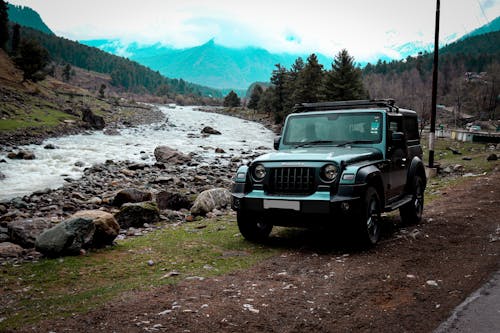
x: 182, y: 132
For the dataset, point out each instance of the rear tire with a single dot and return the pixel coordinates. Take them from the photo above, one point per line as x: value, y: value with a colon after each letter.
x: 368, y: 219
x: 411, y: 213
x: 253, y: 227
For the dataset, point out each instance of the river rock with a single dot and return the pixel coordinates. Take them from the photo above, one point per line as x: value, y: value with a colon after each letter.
x: 94, y: 201
x: 165, y: 154
x: 106, y: 227
x: 219, y: 151
x: 210, y: 130
x: 25, y: 232
x: 4, y: 234
x: 49, y: 146
x: 21, y: 155
x: 131, y: 195
x: 10, y: 250
x: 67, y: 238
x: 111, y: 131
x: 211, y: 199
x: 92, y: 119
x: 2, y: 176
x: 172, y: 200
x: 492, y: 157
x: 136, y: 166
x: 136, y: 214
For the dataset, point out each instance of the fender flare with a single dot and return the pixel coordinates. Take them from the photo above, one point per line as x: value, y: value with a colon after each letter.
x: 371, y: 175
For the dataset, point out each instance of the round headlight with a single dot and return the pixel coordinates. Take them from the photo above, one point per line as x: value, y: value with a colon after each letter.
x: 330, y: 172
x: 259, y: 172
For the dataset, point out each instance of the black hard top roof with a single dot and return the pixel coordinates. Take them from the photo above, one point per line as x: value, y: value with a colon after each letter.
x: 389, y: 104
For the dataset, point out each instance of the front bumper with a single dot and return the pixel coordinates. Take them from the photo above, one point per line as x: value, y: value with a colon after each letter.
x: 318, y: 208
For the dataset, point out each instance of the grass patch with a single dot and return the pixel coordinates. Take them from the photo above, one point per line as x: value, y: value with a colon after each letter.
x: 38, y: 117
x: 59, y: 287
x: 478, y: 164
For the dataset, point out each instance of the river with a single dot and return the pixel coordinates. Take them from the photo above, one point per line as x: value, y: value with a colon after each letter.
x: 74, y: 153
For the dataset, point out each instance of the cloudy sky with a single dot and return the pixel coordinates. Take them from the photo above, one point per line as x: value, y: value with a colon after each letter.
x: 364, y: 27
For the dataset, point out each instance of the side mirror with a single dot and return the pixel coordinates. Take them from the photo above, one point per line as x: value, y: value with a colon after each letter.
x: 398, y: 137
x: 277, y: 141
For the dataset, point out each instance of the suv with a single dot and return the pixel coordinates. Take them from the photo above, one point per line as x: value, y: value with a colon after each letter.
x: 335, y: 161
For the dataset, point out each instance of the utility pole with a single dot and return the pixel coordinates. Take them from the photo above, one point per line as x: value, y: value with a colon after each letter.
x: 432, y: 133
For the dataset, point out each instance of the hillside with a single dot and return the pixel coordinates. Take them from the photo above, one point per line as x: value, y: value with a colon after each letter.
x: 476, y: 52
x: 27, y: 17
x: 409, y: 81
x: 30, y: 112
x: 490, y: 27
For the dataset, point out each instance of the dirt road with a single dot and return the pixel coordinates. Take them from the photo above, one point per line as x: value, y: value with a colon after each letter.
x: 409, y: 283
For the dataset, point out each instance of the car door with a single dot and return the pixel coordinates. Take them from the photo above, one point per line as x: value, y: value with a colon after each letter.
x: 397, y: 153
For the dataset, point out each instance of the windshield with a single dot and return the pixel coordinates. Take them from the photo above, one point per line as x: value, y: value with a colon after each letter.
x: 333, y: 129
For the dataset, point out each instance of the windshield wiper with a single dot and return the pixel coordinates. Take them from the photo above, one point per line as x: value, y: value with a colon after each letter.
x: 353, y: 142
x: 316, y: 142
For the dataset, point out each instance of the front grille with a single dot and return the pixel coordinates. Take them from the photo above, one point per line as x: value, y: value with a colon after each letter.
x: 291, y: 181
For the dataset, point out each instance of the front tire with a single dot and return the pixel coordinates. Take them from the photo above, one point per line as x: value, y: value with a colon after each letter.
x: 411, y: 213
x: 253, y: 227
x: 368, y: 219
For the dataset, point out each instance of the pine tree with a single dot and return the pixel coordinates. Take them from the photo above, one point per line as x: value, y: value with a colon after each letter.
x: 32, y: 59
x: 16, y: 39
x: 344, y: 81
x: 268, y: 103
x: 232, y: 100
x: 66, y: 74
x: 292, y: 83
x: 4, y: 24
x: 101, y: 90
x: 309, y: 82
x: 255, y: 97
x: 278, y: 79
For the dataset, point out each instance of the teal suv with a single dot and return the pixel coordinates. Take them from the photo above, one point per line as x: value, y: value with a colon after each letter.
x: 335, y: 162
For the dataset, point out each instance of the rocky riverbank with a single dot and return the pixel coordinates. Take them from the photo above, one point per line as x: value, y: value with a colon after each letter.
x: 171, y: 186
x: 118, y: 116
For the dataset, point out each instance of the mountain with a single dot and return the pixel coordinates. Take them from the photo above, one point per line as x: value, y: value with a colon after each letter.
x: 490, y: 27
x: 481, y: 46
x: 209, y: 64
x: 27, y: 17
x: 475, y: 53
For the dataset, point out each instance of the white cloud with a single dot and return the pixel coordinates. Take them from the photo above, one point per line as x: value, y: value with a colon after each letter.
x: 364, y: 27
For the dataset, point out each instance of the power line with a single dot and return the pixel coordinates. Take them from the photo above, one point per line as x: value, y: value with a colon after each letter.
x: 482, y: 10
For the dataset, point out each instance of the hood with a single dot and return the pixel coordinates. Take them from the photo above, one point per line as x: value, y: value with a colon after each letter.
x: 327, y: 154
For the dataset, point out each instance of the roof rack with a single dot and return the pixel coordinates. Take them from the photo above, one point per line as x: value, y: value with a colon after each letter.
x: 322, y: 106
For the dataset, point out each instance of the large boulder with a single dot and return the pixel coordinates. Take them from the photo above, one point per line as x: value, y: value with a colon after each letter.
x: 211, y: 199
x: 10, y: 250
x: 210, y: 130
x: 106, y: 227
x: 92, y: 119
x: 165, y: 154
x: 172, y: 200
x: 131, y: 195
x: 136, y: 214
x: 24, y: 232
x: 67, y: 238
x: 21, y: 155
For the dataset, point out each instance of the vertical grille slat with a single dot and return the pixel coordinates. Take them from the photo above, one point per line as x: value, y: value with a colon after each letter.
x: 291, y: 180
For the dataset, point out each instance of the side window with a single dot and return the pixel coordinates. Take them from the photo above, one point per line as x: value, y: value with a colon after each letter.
x: 411, y: 128
x: 394, y: 124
